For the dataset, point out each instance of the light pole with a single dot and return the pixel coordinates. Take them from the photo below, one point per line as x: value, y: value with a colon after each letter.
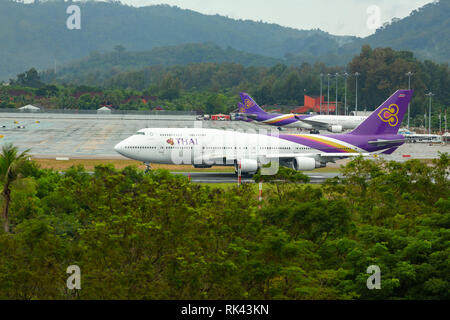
x: 425, y: 121
x: 357, y: 74
x: 321, y: 79
x: 328, y: 97
x: 430, y: 94
x: 409, y: 75
x: 345, y: 102
x: 445, y: 121
x: 336, y: 109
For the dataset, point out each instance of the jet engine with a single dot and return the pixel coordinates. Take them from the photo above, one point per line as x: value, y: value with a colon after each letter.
x: 247, y: 166
x: 335, y: 128
x: 202, y: 166
x: 304, y: 164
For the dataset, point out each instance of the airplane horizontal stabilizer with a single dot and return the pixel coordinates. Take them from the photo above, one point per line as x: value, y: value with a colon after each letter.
x: 382, y: 142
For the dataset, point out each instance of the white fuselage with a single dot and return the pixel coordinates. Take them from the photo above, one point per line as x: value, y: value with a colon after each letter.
x: 319, y: 122
x: 214, y: 147
x: 346, y: 122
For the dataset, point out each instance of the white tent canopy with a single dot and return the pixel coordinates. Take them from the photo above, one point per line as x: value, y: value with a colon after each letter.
x: 104, y: 110
x: 29, y: 107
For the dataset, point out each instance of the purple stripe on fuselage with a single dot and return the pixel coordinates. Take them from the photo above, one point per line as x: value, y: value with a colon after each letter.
x: 312, y: 144
x: 272, y: 116
x: 303, y: 116
x: 357, y: 141
x: 363, y: 141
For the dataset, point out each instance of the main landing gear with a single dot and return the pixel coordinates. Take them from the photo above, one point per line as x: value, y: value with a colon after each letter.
x: 148, y: 167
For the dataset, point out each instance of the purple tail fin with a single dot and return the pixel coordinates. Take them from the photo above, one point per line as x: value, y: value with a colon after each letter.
x: 388, y: 117
x: 250, y: 106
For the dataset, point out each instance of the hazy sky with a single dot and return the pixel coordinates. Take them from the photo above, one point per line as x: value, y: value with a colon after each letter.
x: 340, y: 17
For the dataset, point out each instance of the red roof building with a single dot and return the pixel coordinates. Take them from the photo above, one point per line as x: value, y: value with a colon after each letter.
x: 313, y: 104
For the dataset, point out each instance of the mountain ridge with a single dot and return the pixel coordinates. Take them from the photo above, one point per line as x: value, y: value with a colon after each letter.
x: 35, y: 35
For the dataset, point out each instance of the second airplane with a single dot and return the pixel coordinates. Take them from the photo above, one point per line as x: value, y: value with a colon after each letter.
x: 250, y: 111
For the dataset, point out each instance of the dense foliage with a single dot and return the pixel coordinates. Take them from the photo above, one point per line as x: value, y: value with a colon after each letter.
x: 98, y: 67
x: 158, y: 236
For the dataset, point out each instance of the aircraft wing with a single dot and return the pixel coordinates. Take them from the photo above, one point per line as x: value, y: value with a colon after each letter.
x: 311, y: 155
x: 344, y: 155
x: 315, y: 123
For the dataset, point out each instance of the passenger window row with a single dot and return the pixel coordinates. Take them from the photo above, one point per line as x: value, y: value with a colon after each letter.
x: 140, y: 147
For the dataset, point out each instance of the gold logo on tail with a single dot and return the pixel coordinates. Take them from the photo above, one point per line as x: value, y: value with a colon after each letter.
x: 389, y: 115
x: 248, y: 104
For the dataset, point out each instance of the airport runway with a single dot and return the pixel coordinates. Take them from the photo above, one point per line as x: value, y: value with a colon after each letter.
x: 92, y: 136
x: 214, y: 177
x: 89, y: 136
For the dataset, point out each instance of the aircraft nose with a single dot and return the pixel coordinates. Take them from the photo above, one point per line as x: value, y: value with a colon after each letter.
x: 119, y: 147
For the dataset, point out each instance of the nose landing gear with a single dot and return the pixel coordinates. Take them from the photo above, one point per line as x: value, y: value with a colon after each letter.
x: 148, y: 167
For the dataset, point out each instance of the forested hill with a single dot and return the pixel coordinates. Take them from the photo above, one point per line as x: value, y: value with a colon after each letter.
x: 100, y: 66
x: 35, y: 35
x: 426, y: 32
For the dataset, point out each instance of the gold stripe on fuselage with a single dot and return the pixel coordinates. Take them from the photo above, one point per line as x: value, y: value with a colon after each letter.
x: 327, y: 142
x: 278, y: 119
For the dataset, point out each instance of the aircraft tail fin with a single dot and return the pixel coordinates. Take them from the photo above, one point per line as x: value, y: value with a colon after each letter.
x: 250, y: 106
x: 388, y: 117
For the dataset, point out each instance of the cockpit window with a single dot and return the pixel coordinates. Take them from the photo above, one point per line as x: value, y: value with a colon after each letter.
x: 140, y: 133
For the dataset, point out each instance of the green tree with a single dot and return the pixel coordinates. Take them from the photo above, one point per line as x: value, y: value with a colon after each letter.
x: 215, y: 103
x: 284, y: 180
x: 11, y: 165
x: 29, y: 79
x: 170, y: 87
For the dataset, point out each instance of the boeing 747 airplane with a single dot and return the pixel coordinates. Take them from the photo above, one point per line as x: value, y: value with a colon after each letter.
x: 336, y: 124
x: 207, y: 147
